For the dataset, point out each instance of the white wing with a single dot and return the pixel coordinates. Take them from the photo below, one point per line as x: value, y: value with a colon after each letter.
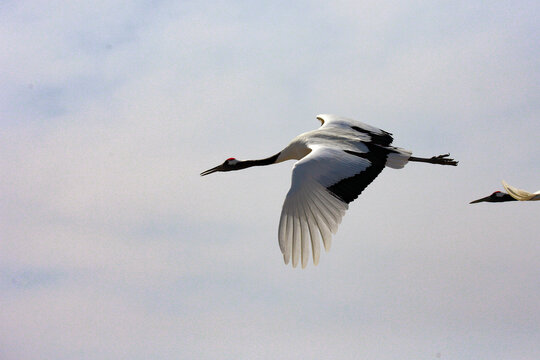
x: 323, y: 183
x: 329, y: 120
x: 519, y: 194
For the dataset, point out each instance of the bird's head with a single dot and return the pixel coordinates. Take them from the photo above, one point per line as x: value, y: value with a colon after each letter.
x: 497, y: 196
x: 228, y: 165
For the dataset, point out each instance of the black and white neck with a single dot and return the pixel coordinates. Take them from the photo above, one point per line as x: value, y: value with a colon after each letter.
x: 232, y: 164
x: 497, y: 196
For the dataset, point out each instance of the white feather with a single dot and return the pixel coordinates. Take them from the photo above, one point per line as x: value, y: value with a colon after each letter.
x: 330, y: 120
x: 521, y: 195
x: 310, y: 208
x: 397, y: 160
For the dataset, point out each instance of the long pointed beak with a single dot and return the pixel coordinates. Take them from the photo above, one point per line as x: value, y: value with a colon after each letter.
x: 212, y: 170
x: 480, y: 200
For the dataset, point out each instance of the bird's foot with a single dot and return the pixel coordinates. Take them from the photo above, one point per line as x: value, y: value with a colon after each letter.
x: 443, y: 160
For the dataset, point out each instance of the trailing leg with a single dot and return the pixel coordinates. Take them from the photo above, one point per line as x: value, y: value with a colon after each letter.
x: 441, y: 160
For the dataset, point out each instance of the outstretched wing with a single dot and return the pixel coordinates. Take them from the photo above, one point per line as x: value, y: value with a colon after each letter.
x: 375, y: 135
x: 521, y: 195
x: 323, y: 184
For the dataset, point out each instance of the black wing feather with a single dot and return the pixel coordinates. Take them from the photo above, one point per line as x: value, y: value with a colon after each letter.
x: 348, y: 189
x: 385, y: 139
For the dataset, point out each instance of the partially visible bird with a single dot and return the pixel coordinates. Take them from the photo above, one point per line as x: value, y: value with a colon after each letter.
x: 336, y: 163
x: 513, y: 194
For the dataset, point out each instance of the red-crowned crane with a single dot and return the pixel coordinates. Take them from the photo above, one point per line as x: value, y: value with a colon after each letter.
x: 336, y: 162
x: 513, y: 194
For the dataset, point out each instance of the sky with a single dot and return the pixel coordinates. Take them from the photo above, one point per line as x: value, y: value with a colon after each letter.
x: 112, y: 245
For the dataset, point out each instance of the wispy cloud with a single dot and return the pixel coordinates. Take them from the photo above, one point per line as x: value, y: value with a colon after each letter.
x: 112, y: 246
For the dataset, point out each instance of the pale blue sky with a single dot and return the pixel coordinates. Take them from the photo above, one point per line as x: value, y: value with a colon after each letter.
x: 112, y: 246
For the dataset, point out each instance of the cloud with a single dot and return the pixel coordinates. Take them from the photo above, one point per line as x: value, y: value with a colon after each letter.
x: 113, y: 246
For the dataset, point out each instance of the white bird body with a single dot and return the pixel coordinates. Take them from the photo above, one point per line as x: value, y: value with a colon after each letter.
x: 326, y: 158
x: 335, y: 164
x: 335, y: 132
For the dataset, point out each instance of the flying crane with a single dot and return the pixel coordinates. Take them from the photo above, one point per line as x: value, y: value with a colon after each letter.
x: 513, y: 194
x: 336, y: 162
